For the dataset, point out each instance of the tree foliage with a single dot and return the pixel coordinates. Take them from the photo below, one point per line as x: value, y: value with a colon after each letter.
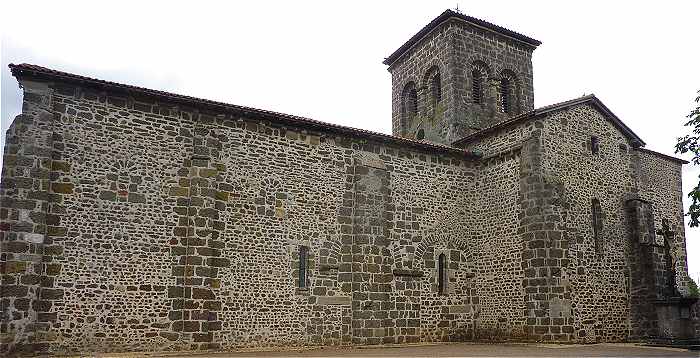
x: 693, y: 289
x: 689, y: 143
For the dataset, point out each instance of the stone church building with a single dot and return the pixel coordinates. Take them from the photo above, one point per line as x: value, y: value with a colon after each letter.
x: 140, y: 220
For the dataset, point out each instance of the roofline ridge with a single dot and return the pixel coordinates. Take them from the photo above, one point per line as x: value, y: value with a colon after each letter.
x: 17, y: 70
x: 555, y: 107
x: 445, y: 16
x: 670, y: 157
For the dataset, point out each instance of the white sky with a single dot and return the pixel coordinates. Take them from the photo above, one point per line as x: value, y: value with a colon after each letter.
x: 322, y: 59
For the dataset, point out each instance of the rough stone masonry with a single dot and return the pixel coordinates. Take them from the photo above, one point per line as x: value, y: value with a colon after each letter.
x: 139, y: 220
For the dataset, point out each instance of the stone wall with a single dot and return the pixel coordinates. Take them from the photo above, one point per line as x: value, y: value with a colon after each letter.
x: 168, y: 228
x: 667, y: 203
x: 134, y: 224
x: 596, y: 274
x: 496, y: 245
x: 30, y: 202
x: 586, y: 278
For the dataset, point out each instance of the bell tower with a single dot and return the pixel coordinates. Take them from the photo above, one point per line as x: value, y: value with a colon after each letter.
x: 457, y: 76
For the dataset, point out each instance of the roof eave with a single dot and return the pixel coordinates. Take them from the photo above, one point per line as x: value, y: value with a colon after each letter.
x: 636, y: 141
x: 668, y: 157
x: 26, y: 70
x: 446, y: 16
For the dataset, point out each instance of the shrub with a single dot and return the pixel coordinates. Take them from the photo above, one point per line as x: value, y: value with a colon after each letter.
x: 693, y: 288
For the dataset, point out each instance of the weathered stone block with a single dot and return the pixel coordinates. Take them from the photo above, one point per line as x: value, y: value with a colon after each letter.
x: 14, y: 291
x: 14, y: 266
x: 108, y: 195
x: 207, y: 173
x: 136, y: 198
x: 218, y: 262
x: 42, y: 306
x: 56, y: 231
x: 176, y: 292
x: 179, y: 191
x: 60, y: 166
x: 186, y: 326
x: 16, y: 246
x: 62, y: 188
x: 53, y: 269
x: 30, y: 279
x: 202, y: 337
x: 334, y: 300
x: 171, y: 336
x: 202, y: 293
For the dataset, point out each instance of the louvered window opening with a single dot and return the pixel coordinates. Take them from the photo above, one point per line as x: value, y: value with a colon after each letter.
x: 437, y: 88
x: 412, y: 103
x: 477, y: 87
x: 505, y: 95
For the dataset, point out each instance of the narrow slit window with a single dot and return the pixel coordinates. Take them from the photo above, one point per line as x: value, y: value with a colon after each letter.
x: 477, y: 87
x: 442, y: 274
x: 597, y: 223
x: 303, y: 257
x: 595, y: 145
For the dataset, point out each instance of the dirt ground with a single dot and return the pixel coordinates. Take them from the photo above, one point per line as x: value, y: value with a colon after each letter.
x: 451, y: 350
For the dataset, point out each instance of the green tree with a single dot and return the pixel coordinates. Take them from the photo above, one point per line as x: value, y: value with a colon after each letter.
x: 693, y: 288
x: 689, y: 143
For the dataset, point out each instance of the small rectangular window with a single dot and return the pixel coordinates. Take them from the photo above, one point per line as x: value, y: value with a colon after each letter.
x: 303, y: 257
x: 595, y: 145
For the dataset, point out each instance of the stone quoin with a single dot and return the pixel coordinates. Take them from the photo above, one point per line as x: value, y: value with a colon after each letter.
x: 140, y: 220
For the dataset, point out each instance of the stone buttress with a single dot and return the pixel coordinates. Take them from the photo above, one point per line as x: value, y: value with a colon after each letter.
x: 32, y: 189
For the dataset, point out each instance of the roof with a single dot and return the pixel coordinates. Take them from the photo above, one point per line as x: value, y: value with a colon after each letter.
x: 449, y: 14
x: 674, y: 159
x: 539, y: 112
x: 34, y: 71
x: 593, y: 100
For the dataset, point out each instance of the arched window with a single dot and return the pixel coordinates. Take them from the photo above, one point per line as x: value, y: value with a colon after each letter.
x: 505, y: 95
x: 420, y: 134
x: 410, y: 100
x: 477, y: 86
x: 436, y: 88
x: 508, y: 93
x: 442, y: 274
x: 479, y: 76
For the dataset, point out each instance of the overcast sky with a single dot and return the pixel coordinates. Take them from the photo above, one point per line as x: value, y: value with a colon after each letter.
x: 322, y: 59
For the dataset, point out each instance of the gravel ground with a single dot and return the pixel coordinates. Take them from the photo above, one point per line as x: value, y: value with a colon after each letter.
x: 450, y: 350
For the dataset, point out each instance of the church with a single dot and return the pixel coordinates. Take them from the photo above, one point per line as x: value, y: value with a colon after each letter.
x: 139, y: 220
